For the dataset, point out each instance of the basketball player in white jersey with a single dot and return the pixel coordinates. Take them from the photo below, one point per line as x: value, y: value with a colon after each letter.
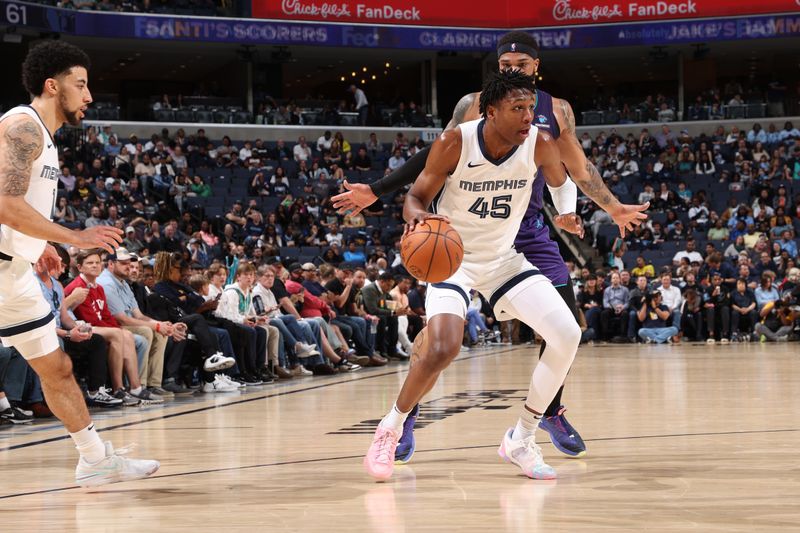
x: 479, y: 176
x: 55, y: 74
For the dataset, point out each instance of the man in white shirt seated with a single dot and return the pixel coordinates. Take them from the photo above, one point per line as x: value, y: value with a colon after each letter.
x: 690, y: 253
x: 324, y: 142
x: 672, y: 298
x: 302, y: 151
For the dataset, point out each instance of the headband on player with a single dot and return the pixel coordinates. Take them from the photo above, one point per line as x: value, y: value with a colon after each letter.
x: 516, y: 47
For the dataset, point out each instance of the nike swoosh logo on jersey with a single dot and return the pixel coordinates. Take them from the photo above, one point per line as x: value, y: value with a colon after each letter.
x: 470, y: 165
x: 49, y: 146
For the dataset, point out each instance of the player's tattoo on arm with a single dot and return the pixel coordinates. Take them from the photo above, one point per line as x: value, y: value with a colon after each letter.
x: 595, y: 188
x: 591, y: 183
x: 569, y: 118
x: 22, y: 143
x: 461, y: 109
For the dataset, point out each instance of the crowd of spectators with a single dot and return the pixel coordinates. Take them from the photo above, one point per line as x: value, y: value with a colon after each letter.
x: 355, y: 111
x: 711, y: 301
x: 233, y: 255
x: 732, y: 101
x: 720, y: 243
x: 194, y: 301
x: 142, y: 330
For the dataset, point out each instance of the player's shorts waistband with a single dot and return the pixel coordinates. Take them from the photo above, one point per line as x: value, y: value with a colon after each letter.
x: 25, y: 327
x: 508, y: 285
x: 453, y: 287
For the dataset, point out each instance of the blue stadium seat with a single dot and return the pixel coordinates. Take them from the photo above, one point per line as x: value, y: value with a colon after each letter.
x: 164, y: 115
x: 184, y: 115
x: 606, y: 235
x: 269, y: 204
x: 214, y: 211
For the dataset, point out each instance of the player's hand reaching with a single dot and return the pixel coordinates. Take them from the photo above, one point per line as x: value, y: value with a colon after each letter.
x: 571, y: 223
x: 628, y: 216
x: 105, y: 237
x: 50, y: 261
x: 357, y: 197
x: 421, y: 217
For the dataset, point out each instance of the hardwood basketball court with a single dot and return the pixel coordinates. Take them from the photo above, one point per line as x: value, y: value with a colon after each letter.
x: 690, y: 437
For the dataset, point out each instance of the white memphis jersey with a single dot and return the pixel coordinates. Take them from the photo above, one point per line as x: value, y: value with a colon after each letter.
x: 485, y: 198
x: 41, y: 193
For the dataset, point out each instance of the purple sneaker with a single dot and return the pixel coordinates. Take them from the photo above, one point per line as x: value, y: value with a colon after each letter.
x: 563, y: 435
x: 407, y: 445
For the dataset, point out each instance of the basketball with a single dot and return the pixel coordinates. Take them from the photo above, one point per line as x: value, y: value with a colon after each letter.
x: 433, y: 251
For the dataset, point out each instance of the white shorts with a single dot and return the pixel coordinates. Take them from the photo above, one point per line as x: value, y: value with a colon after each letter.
x: 504, y: 276
x: 26, y: 319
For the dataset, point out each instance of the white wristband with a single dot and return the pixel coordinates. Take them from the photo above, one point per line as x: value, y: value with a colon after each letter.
x: 565, y: 197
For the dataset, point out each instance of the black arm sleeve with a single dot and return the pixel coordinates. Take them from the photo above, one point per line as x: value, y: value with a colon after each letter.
x: 402, y: 176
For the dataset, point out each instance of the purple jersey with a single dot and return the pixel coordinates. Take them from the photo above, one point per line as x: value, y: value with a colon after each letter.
x: 533, y: 238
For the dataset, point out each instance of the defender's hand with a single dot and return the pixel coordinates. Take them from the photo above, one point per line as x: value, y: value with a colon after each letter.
x: 571, y: 223
x: 357, y: 197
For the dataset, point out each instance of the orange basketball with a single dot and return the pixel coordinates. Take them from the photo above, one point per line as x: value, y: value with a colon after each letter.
x: 433, y: 251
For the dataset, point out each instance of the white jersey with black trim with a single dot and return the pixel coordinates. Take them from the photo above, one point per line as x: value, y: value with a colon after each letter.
x: 486, y: 198
x: 41, y: 193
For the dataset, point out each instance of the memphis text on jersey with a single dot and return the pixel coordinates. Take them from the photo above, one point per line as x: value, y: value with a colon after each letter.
x: 50, y: 173
x: 492, y: 185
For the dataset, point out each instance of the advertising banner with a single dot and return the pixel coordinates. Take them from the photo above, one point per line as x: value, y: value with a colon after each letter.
x: 252, y: 31
x: 511, y: 13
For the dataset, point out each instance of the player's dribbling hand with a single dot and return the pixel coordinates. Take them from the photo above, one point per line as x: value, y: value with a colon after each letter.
x: 421, y: 217
x: 105, y: 237
x: 571, y: 223
x: 357, y: 197
x: 628, y: 216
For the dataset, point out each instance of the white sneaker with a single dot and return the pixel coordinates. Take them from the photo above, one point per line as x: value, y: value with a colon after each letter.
x: 300, y: 370
x: 230, y: 381
x: 527, y: 455
x: 307, y: 350
x: 218, y: 362
x: 401, y: 351
x: 219, y: 385
x: 113, y: 468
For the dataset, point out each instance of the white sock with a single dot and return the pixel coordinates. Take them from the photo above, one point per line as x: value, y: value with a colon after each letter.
x: 89, y: 445
x: 136, y: 391
x: 526, y: 425
x: 4, y: 404
x: 395, y: 419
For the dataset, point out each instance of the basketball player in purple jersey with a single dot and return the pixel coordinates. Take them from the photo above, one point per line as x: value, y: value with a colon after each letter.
x: 518, y: 50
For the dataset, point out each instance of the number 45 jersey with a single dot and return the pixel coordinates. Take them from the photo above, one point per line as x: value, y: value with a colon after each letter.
x: 486, y: 198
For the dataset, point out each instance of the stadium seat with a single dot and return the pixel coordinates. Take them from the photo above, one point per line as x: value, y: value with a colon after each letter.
x: 184, y: 115
x: 164, y: 115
